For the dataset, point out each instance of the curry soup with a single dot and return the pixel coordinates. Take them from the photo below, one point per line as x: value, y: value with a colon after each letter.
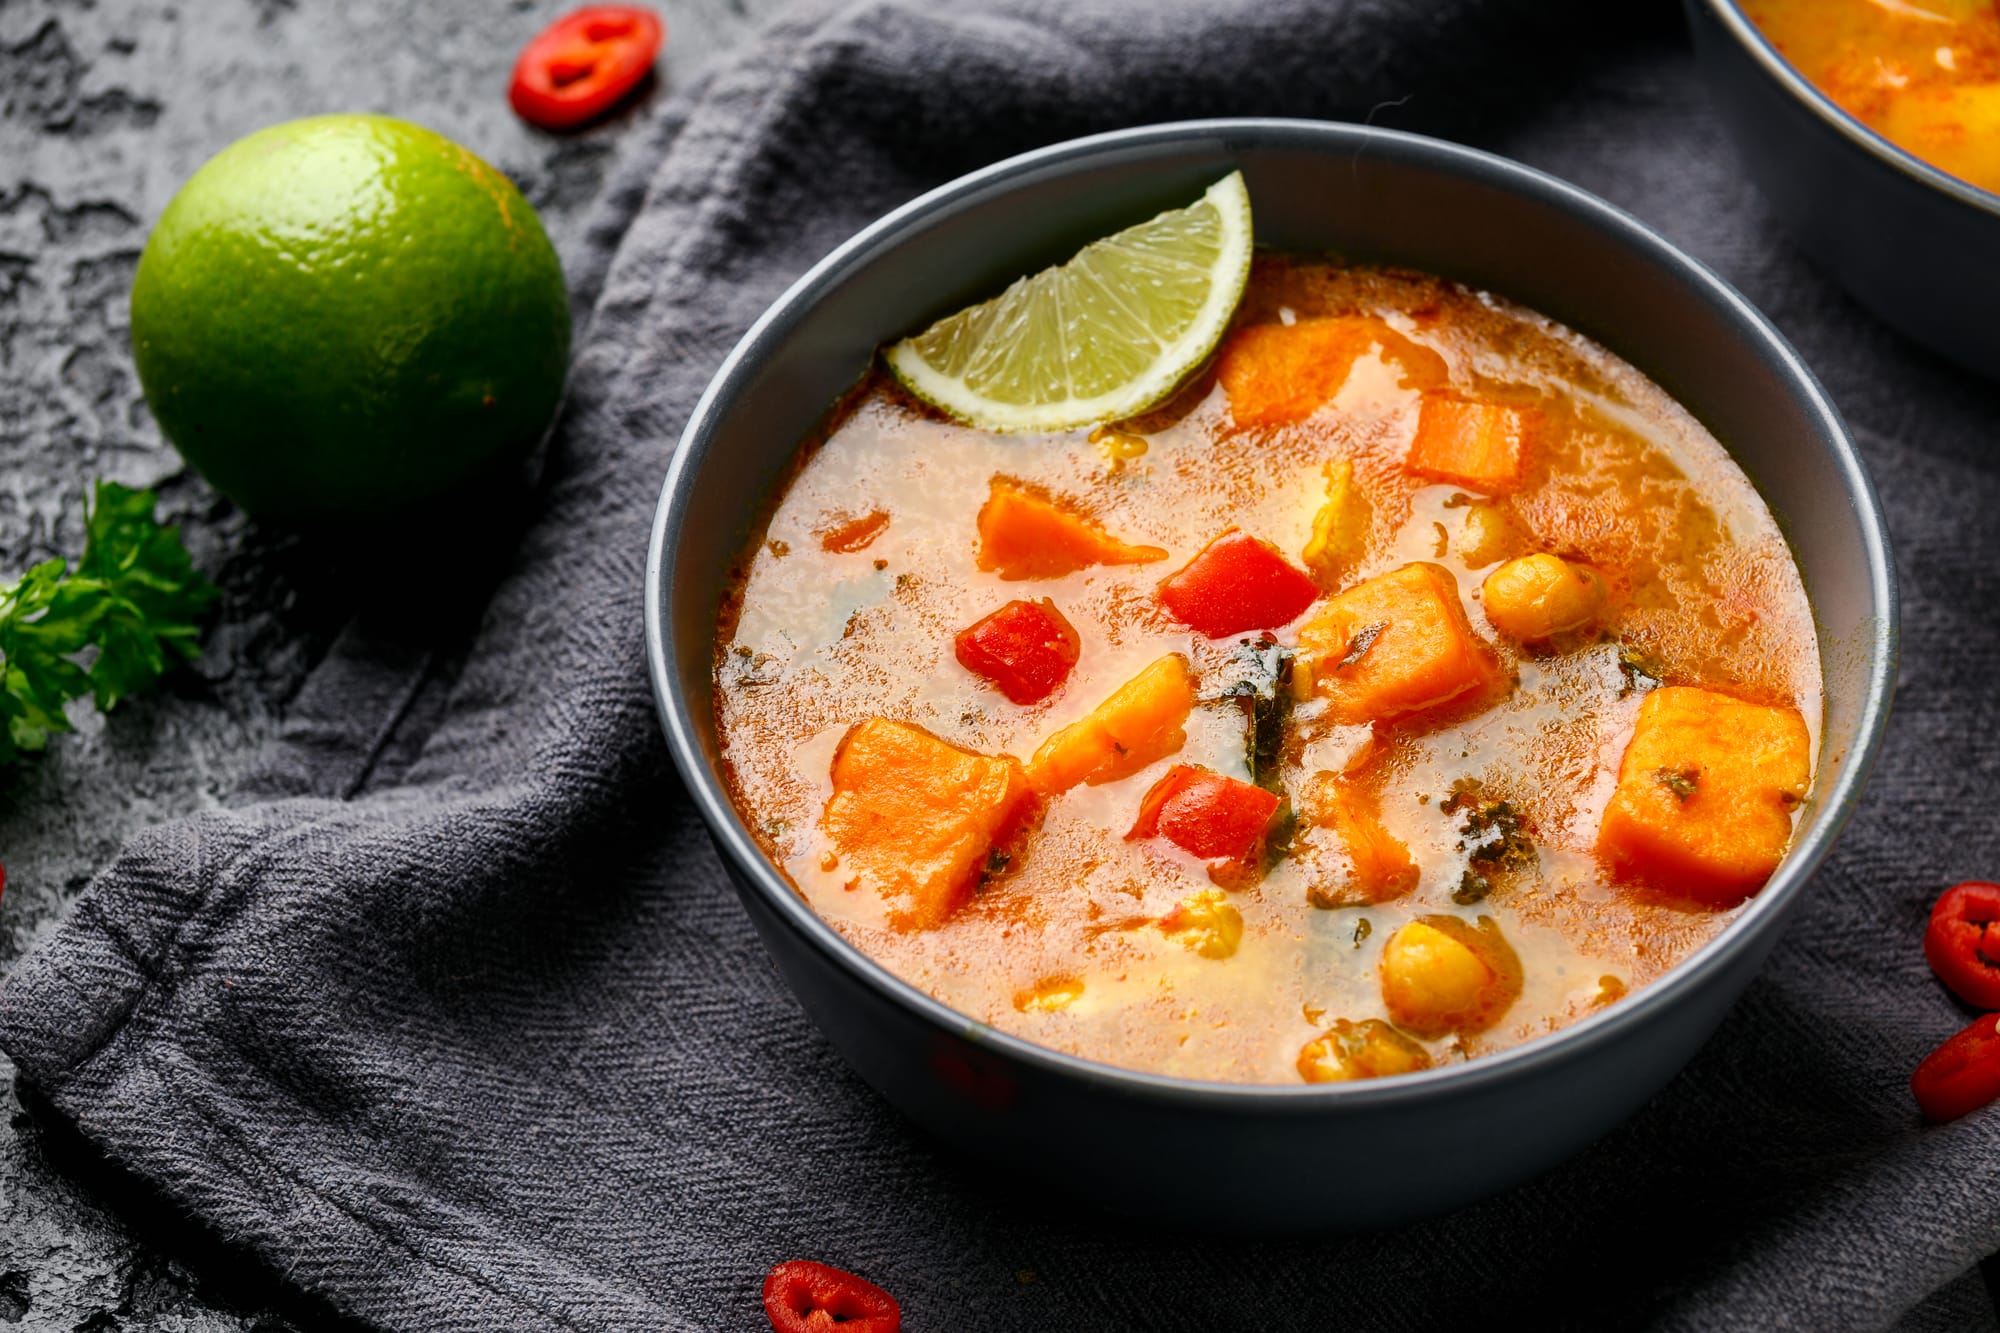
x: 1925, y: 74
x: 1420, y: 680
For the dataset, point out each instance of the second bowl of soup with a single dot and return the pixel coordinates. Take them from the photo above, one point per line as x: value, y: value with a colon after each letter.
x: 1415, y: 728
x: 1874, y: 130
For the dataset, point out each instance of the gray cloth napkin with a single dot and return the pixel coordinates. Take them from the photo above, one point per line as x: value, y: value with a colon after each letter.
x: 452, y: 1017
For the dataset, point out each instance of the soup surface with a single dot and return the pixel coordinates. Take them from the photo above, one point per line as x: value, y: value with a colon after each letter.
x: 1296, y: 806
x: 1923, y: 73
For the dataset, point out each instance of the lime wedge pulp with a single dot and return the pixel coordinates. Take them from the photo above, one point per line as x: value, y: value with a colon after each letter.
x: 1100, y: 338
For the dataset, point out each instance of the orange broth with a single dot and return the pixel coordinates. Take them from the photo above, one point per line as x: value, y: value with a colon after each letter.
x: 1063, y: 942
x: 1925, y: 74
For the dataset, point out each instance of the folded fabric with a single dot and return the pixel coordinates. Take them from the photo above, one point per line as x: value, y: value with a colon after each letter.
x: 453, y: 1017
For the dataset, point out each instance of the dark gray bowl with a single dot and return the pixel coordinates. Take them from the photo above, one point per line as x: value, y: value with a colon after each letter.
x: 1914, y: 244
x: 1272, y: 1157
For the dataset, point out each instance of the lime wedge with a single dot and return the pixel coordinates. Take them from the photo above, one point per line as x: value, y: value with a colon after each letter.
x: 1103, y: 337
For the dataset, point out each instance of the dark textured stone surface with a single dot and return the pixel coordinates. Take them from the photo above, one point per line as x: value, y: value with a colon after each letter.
x: 105, y: 108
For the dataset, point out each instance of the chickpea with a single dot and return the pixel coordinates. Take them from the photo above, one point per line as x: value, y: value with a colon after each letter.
x: 1049, y: 995
x: 1369, y: 1049
x: 1489, y: 531
x: 1340, y: 528
x: 1205, y: 923
x: 1441, y: 975
x: 1118, y: 445
x: 1537, y: 596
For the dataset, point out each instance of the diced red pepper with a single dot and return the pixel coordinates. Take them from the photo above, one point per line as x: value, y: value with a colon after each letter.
x: 1024, y: 650
x: 801, y: 1296
x: 1206, y: 813
x: 1963, y: 1074
x: 583, y: 64
x: 1962, y: 943
x: 1237, y: 583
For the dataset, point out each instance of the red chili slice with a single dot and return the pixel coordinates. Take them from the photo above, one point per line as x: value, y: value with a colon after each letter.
x: 801, y: 1296
x: 1025, y: 649
x: 1206, y: 813
x: 1963, y: 1074
x: 1237, y: 583
x: 583, y: 64
x: 1962, y: 944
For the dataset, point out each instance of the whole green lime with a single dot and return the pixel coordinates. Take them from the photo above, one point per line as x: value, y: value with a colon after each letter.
x: 346, y: 317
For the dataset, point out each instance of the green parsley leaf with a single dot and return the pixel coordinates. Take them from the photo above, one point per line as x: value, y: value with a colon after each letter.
x: 134, y: 596
x: 1682, y: 782
x: 151, y: 595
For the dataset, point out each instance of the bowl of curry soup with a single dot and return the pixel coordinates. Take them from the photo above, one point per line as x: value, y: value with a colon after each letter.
x: 1873, y: 127
x: 1434, y: 711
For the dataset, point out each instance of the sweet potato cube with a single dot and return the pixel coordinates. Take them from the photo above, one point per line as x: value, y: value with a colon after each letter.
x: 1395, y: 645
x: 1146, y: 719
x: 1481, y: 445
x: 1024, y: 535
x: 1274, y: 373
x: 916, y: 816
x: 1380, y: 867
x: 1705, y: 795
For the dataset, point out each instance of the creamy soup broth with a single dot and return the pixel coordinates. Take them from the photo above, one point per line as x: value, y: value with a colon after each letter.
x: 1061, y: 944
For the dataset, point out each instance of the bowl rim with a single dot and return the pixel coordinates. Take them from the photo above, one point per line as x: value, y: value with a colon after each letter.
x: 1342, y: 140
x: 1838, y: 118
